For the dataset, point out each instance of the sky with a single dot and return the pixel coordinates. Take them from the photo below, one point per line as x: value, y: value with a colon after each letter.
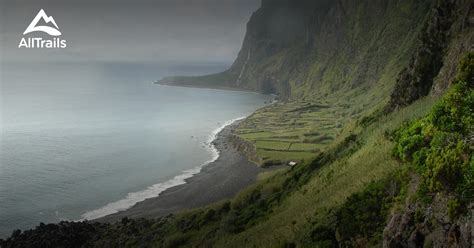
x: 159, y: 31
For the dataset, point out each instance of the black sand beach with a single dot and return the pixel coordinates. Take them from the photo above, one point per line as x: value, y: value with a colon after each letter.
x: 221, y: 179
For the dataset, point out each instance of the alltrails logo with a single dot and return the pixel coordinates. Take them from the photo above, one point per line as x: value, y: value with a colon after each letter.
x: 38, y: 42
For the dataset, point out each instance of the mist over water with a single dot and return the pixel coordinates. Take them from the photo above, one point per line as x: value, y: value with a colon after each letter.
x: 76, y: 137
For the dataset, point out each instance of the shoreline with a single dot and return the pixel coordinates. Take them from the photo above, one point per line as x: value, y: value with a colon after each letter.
x: 220, y: 178
x: 155, y: 190
x: 210, y: 88
x: 274, y: 95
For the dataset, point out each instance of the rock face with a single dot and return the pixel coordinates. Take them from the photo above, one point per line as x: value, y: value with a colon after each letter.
x: 277, y: 27
x: 429, y: 226
x: 393, y: 51
x: 309, y: 49
x: 398, y: 50
x: 444, y: 38
x: 245, y: 147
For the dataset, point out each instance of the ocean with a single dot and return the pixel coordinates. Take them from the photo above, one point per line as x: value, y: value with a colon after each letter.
x: 80, y: 141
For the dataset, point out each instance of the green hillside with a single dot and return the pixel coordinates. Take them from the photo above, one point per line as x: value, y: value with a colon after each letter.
x: 333, y: 62
x: 376, y: 105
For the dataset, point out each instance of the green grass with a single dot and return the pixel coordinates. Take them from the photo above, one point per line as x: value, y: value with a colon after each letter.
x: 330, y: 124
x: 329, y: 187
x: 269, y: 155
x: 273, y: 145
x: 437, y: 145
x: 305, y: 147
x: 294, y: 130
x: 285, y: 206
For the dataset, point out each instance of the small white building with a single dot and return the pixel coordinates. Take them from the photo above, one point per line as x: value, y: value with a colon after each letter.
x: 292, y: 163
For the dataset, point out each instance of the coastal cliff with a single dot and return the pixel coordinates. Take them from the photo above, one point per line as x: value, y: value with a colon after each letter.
x: 310, y: 49
x: 377, y: 109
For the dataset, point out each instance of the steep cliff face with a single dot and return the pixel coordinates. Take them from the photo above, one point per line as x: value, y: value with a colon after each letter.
x: 313, y: 49
x: 277, y: 36
x: 308, y: 49
x: 446, y: 36
x: 331, y: 46
x: 386, y: 179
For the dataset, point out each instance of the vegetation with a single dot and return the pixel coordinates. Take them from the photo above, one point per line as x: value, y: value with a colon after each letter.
x: 316, y: 204
x: 287, y: 51
x: 417, y: 78
x: 303, y: 206
x: 360, y: 167
x: 361, y: 219
x: 439, y: 146
x: 293, y: 131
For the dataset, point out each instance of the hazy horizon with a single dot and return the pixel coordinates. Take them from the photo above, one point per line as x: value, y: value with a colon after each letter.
x: 164, y: 31
x: 83, y: 129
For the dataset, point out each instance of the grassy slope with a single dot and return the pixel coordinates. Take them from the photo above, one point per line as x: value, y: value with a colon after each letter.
x: 290, y: 206
x: 281, y: 209
x: 329, y: 187
x: 357, y: 50
x: 348, y: 49
x: 284, y: 208
x: 293, y: 131
x: 298, y: 206
x: 349, y: 74
x: 343, y: 153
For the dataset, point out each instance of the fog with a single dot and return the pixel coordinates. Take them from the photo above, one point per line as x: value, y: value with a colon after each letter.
x: 159, y: 31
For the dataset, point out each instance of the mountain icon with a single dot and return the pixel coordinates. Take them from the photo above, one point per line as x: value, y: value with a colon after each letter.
x: 47, y: 29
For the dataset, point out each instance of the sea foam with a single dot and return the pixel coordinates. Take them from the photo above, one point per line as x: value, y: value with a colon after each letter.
x: 156, y: 189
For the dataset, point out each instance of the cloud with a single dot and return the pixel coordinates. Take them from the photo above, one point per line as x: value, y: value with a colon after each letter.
x: 167, y: 31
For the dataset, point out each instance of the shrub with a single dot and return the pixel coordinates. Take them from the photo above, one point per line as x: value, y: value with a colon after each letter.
x: 364, y: 214
x: 454, y: 208
x: 447, y: 166
x: 438, y: 145
x: 176, y: 240
x: 323, y: 236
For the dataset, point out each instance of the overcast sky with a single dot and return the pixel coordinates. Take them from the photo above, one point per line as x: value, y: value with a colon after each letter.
x: 168, y: 31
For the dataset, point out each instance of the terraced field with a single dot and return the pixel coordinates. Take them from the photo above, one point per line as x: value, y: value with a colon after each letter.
x: 293, y: 131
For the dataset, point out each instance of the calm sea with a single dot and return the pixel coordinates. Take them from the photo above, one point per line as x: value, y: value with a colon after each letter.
x: 82, y: 141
